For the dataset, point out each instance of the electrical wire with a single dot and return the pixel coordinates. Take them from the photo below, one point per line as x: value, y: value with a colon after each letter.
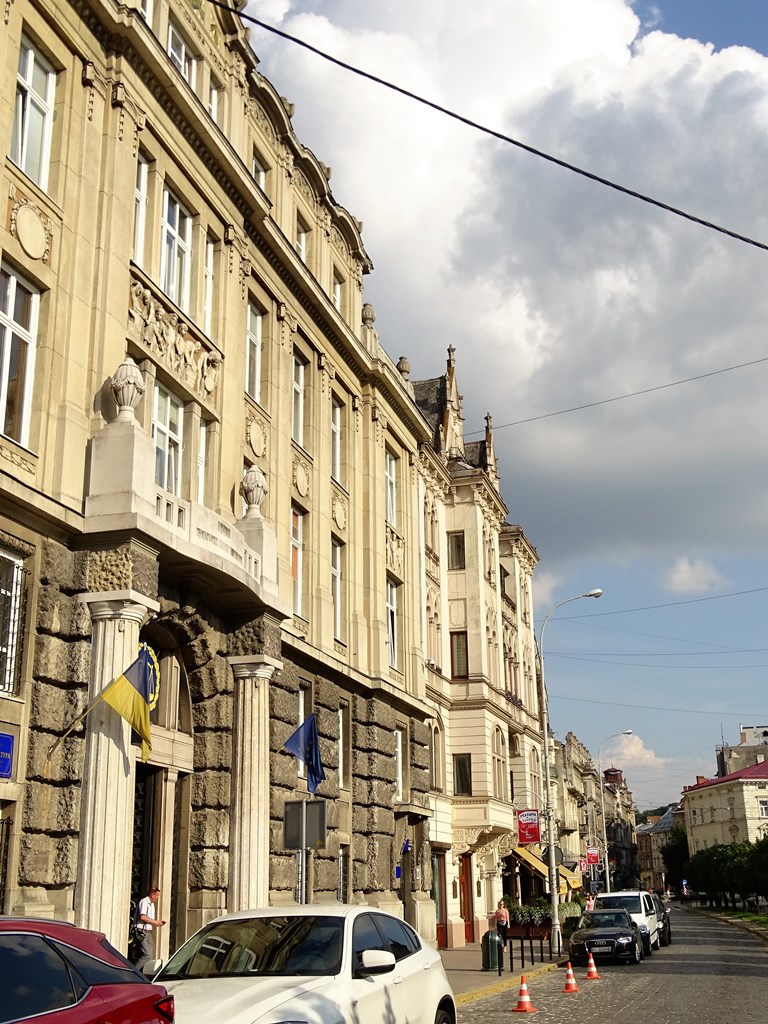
x: 742, y: 715
x: 667, y: 604
x: 676, y: 211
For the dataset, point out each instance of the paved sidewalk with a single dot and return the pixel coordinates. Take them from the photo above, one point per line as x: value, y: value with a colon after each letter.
x: 470, y: 982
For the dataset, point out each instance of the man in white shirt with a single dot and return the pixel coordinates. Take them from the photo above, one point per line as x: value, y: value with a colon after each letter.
x: 145, y: 924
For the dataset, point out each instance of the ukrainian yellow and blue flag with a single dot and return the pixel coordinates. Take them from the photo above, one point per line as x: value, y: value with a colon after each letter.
x: 134, y: 693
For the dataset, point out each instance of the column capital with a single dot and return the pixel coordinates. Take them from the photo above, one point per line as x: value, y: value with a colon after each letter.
x: 250, y: 666
x: 128, y: 605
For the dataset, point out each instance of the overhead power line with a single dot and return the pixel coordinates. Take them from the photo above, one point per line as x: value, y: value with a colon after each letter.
x: 632, y: 193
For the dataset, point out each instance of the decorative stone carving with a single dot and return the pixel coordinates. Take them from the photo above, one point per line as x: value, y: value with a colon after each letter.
x: 127, y: 387
x: 170, y: 340
x: 395, y: 551
x: 465, y: 839
x: 254, y: 490
x: 404, y: 367
x: 125, y: 105
x: 369, y: 314
x: 288, y: 321
x: 301, y: 477
x: 32, y: 227
x: 239, y: 260
x: 257, y: 438
x: 339, y: 512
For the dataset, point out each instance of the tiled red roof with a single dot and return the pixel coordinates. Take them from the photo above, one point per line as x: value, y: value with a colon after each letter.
x: 748, y: 774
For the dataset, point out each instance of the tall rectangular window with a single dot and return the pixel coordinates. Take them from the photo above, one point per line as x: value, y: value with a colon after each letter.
x: 305, y: 710
x: 399, y: 765
x: 337, y: 411
x: 302, y: 238
x: 337, y: 292
x: 140, y: 209
x: 459, y: 659
x: 181, y: 54
x: 392, y: 589
x: 210, y: 252
x: 33, y: 114
x: 253, y: 332
x: 337, y: 592
x: 215, y: 92
x: 19, y: 308
x: 345, y: 745
x: 11, y: 621
x: 763, y: 808
x: 297, y: 557
x: 202, y: 459
x: 146, y: 10
x: 462, y: 774
x: 176, y: 250
x: 299, y: 398
x: 390, y: 483
x: 167, y: 427
x: 456, y: 555
x: 259, y: 171
x: 344, y: 875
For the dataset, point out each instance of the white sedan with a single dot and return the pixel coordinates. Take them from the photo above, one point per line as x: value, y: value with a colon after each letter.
x: 316, y: 964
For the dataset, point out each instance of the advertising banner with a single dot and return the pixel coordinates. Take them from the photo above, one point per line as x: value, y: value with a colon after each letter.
x: 593, y: 855
x: 528, y: 827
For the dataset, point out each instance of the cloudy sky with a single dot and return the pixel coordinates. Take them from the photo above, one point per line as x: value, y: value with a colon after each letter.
x: 563, y: 297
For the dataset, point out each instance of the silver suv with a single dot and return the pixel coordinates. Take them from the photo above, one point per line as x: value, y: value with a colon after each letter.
x: 640, y: 907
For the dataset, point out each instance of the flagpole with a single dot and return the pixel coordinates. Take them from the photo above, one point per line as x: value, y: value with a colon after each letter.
x: 77, y: 721
x: 303, y: 858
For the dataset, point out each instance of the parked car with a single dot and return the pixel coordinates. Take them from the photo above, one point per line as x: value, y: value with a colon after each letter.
x: 663, y: 916
x: 319, y: 964
x: 60, y: 974
x: 607, y: 935
x: 639, y: 905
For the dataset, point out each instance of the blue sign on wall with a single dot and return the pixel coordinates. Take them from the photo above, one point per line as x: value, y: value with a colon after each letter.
x: 6, y: 755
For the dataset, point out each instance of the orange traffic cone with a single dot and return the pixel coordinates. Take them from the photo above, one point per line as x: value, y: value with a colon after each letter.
x: 524, y: 1004
x: 570, y: 980
x: 591, y: 974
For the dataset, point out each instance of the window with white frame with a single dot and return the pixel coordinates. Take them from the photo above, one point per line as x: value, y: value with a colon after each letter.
x: 210, y: 253
x: 140, y: 208
x: 215, y: 94
x: 345, y: 745
x: 337, y: 419
x: 202, y: 458
x: 499, y: 759
x: 392, y: 623
x: 337, y: 290
x: 436, y: 757
x: 33, y: 114
x: 259, y: 170
x: 390, y: 483
x: 299, y: 398
x: 456, y: 553
x: 297, y: 558
x: 146, y: 10
x: 459, y: 654
x: 337, y: 590
x: 253, y: 339
x: 167, y: 433
x: 762, y: 805
x: 11, y: 621
x: 181, y: 55
x: 400, y: 751
x: 305, y: 710
x: 462, y: 775
x: 19, y: 312
x: 302, y: 238
x: 176, y: 249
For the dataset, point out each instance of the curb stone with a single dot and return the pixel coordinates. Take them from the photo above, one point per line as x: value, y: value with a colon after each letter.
x: 504, y: 986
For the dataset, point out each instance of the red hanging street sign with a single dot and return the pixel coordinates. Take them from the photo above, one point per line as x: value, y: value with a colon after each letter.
x: 528, y: 827
x: 593, y: 855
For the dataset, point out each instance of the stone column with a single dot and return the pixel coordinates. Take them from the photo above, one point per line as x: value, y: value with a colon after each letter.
x: 106, y: 810
x: 249, y: 817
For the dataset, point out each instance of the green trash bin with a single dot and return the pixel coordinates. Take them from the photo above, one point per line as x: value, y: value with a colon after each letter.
x: 492, y: 950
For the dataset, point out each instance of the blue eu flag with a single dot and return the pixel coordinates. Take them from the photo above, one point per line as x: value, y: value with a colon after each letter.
x: 305, y: 744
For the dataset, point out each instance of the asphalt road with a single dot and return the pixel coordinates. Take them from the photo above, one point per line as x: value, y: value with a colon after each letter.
x: 711, y: 971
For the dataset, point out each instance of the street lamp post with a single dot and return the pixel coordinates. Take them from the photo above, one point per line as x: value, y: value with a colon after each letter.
x: 549, y: 811
x: 625, y: 732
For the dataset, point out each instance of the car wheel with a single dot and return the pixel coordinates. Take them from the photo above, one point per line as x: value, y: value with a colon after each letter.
x: 665, y: 938
x: 443, y: 1017
x: 648, y: 948
x: 638, y: 954
x: 657, y: 941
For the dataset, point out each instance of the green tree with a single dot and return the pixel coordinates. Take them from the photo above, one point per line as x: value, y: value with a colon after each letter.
x: 674, y: 853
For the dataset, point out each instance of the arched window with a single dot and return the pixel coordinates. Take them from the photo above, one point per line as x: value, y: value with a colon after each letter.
x: 436, y: 757
x: 499, y: 761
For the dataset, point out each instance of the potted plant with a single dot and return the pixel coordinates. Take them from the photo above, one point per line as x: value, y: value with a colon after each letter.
x: 518, y: 920
x: 540, y: 920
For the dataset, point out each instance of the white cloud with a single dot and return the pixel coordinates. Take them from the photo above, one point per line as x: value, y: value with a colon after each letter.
x: 693, y: 576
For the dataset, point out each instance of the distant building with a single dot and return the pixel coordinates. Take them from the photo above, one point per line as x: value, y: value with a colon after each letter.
x: 752, y: 748
x: 652, y: 836
x: 731, y: 809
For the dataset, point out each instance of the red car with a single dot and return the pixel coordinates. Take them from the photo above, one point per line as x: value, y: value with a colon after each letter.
x: 55, y: 972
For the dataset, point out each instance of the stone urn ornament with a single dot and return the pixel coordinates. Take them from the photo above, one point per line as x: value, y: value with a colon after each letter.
x: 127, y: 388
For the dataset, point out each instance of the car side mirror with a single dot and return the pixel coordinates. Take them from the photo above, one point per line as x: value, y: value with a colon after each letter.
x: 376, y: 961
x: 151, y: 968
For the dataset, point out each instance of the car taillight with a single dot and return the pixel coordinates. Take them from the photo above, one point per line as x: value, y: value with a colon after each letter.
x: 166, y: 1008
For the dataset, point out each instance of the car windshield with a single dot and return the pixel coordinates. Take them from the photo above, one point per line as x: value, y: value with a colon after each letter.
x: 603, y: 919
x: 260, y: 945
x: 629, y: 903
